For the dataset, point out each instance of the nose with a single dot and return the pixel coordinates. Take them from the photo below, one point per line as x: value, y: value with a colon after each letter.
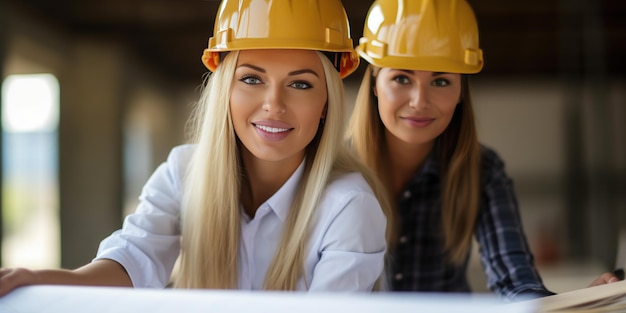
x: 419, y: 99
x: 274, y: 102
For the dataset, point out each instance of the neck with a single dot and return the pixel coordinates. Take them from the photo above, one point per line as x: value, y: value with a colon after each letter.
x: 264, y: 179
x: 404, y: 161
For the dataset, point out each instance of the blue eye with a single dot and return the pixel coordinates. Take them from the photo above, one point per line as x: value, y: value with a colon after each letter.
x: 250, y: 80
x: 301, y: 85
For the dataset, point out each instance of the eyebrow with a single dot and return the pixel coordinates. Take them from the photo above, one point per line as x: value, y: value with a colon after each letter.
x: 434, y: 73
x: 256, y: 68
x: 303, y: 72
x: 293, y: 73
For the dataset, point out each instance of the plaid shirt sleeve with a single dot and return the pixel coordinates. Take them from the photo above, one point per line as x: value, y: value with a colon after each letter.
x: 505, y: 254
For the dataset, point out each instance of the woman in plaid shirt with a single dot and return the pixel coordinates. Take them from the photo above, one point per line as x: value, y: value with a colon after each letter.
x: 413, y: 124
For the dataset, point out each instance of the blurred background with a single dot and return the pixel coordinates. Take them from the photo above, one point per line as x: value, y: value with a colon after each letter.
x: 95, y: 94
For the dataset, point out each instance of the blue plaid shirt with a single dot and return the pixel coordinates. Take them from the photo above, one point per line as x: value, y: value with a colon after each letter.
x: 418, y: 263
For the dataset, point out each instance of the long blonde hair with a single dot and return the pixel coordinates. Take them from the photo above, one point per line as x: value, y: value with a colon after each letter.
x: 457, y: 149
x: 211, y: 214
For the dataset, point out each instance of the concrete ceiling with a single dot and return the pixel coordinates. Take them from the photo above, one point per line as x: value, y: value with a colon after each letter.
x: 545, y: 37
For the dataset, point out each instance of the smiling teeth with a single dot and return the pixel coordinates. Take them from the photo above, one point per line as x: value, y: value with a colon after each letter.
x: 272, y: 129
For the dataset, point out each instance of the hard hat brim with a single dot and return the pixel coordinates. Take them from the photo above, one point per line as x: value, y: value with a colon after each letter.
x: 423, y: 63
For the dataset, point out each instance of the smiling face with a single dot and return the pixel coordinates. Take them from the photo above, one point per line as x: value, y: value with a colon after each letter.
x: 277, y: 100
x: 416, y: 106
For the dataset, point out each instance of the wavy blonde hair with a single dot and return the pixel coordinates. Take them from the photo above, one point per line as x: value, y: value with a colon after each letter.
x: 211, y: 212
x: 457, y: 149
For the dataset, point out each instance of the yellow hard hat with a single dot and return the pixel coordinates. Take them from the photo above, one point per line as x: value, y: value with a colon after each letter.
x: 429, y: 35
x: 283, y: 24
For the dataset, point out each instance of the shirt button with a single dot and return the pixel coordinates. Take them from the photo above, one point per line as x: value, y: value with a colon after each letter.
x: 403, y: 239
x: 398, y: 276
x: 407, y: 194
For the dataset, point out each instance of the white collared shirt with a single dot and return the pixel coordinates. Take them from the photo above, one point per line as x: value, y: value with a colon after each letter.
x: 345, y: 251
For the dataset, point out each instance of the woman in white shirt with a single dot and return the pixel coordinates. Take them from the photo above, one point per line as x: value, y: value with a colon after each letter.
x: 266, y: 196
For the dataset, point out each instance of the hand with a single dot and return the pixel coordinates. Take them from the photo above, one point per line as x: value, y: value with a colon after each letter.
x: 605, y: 278
x: 11, y: 278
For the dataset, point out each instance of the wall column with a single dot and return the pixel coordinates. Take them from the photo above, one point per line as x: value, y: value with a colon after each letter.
x: 90, y: 150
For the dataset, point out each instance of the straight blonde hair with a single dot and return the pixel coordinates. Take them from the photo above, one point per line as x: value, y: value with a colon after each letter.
x: 211, y: 214
x: 457, y: 149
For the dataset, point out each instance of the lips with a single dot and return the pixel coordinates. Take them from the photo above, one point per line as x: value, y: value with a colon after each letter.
x: 272, y: 130
x: 272, y: 126
x: 418, y: 121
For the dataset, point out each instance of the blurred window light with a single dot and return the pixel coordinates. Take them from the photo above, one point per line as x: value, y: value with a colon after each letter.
x: 30, y: 103
x: 30, y: 201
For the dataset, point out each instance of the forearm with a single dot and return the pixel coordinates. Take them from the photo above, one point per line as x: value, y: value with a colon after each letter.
x: 99, y: 273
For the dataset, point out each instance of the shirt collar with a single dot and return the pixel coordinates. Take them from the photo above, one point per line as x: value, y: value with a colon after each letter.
x: 281, y: 201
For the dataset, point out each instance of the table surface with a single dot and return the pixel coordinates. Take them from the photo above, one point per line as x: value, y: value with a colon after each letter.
x: 52, y: 299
